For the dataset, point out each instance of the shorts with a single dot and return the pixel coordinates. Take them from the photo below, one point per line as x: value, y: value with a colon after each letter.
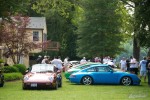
x: 143, y: 73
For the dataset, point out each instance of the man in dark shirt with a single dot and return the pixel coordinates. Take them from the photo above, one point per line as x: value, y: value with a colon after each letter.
x: 148, y: 69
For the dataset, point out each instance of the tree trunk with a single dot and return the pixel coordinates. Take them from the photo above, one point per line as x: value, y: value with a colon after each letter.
x: 136, y: 49
x: 148, y: 54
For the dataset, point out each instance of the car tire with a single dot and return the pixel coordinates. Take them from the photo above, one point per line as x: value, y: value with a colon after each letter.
x: 60, y: 84
x: 2, y: 81
x: 126, y: 81
x: 56, y: 86
x: 2, y: 84
x: 24, y: 87
x: 87, y: 80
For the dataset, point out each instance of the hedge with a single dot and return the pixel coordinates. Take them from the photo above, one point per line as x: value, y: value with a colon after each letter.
x: 12, y: 76
x: 21, y: 68
x: 15, y: 68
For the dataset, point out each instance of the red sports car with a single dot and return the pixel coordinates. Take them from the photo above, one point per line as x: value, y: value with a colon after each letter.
x: 42, y: 76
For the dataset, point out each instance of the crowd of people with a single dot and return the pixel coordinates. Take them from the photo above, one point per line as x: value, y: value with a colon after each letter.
x: 131, y: 65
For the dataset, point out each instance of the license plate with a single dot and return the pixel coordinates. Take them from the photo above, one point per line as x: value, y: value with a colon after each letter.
x: 34, y: 85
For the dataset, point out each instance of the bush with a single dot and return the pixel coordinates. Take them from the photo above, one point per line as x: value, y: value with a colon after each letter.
x: 12, y: 76
x: 21, y: 68
x: 1, y: 61
x: 9, y: 69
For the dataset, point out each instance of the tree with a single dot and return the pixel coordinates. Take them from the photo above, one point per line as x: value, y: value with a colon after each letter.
x: 99, y: 34
x: 59, y: 14
x: 11, y: 7
x: 15, y: 38
x: 143, y: 23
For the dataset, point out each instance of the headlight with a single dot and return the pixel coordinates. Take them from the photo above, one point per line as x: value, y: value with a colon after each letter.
x: 26, y: 78
x: 51, y: 78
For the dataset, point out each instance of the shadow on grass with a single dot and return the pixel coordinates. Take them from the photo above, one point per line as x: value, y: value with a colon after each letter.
x: 105, y: 85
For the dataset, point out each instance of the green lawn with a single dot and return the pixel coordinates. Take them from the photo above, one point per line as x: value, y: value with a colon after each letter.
x: 69, y: 91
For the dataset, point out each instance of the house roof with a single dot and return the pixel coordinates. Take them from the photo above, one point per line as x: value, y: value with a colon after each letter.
x: 37, y: 22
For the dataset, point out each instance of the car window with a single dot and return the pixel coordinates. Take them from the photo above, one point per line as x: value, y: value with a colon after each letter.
x: 84, y: 66
x: 91, y: 69
x: 42, y: 68
x: 103, y: 69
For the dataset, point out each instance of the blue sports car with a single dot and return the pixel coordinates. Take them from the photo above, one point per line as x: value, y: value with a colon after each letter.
x: 103, y: 74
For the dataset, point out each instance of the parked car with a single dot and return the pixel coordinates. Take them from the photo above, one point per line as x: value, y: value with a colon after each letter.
x: 77, y: 68
x: 1, y: 79
x: 103, y: 74
x: 42, y: 76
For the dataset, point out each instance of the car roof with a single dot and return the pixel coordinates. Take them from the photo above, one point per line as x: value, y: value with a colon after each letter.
x: 89, y: 63
x: 95, y: 65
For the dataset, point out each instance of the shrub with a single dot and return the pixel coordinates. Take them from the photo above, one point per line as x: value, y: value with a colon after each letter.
x: 12, y: 76
x: 21, y: 68
x: 9, y: 69
x: 1, y: 61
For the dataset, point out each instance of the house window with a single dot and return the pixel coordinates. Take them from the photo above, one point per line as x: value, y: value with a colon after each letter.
x: 35, y: 36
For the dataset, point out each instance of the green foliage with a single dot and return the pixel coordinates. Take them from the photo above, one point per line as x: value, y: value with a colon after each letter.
x: 60, y: 23
x: 143, y: 22
x: 12, y: 76
x: 21, y: 68
x: 10, y: 69
x: 10, y: 7
x: 99, y: 33
x: 1, y: 61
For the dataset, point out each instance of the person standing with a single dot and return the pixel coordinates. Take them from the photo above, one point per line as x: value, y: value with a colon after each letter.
x: 57, y: 62
x: 44, y: 60
x: 148, y: 69
x: 66, y: 63
x: 123, y: 64
x: 83, y: 61
x: 133, y: 66
x: 143, y: 68
x: 128, y: 64
x: 39, y: 59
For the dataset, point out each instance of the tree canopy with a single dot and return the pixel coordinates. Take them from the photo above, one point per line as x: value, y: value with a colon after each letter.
x: 100, y: 32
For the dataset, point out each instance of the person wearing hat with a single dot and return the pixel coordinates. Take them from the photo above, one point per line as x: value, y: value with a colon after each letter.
x: 39, y: 59
x: 44, y: 60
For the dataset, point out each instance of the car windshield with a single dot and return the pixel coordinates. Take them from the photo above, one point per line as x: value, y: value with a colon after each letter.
x: 42, y: 68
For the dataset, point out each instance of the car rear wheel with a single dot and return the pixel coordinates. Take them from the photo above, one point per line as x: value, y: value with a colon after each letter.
x: 87, y: 80
x: 126, y: 81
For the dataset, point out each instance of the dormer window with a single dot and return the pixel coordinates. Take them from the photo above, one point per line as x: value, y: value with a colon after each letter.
x: 35, y: 36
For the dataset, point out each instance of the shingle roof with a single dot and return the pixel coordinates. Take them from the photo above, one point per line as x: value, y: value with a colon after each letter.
x: 37, y: 22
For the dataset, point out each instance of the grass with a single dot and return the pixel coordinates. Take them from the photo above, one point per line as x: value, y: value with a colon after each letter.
x: 13, y: 91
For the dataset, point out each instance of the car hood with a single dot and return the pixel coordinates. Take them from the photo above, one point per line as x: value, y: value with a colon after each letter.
x: 39, y: 77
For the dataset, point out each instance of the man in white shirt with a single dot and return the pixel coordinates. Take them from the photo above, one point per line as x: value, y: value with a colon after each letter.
x: 57, y: 61
x: 83, y: 60
x: 123, y: 64
x: 143, y: 70
x: 133, y: 66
